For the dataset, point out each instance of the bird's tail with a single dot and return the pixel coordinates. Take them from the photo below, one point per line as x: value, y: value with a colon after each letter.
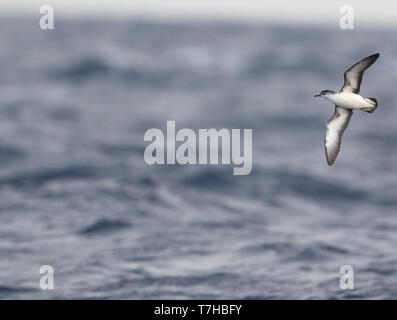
x: 374, y: 104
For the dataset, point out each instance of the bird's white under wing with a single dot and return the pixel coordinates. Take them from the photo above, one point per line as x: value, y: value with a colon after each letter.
x: 333, y: 136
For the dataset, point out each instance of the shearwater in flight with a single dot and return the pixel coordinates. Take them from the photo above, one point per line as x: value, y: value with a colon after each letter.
x: 346, y: 100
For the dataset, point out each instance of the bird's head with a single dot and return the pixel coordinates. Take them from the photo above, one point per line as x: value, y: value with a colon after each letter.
x: 324, y: 93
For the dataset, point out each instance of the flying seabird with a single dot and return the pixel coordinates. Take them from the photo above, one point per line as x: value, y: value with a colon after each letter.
x: 346, y: 100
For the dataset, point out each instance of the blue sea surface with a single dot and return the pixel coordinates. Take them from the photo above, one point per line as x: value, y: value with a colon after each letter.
x: 76, y: 193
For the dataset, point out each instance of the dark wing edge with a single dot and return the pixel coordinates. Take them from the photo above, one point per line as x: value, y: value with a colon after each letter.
x: 354, y: 75
x: 334, y: 131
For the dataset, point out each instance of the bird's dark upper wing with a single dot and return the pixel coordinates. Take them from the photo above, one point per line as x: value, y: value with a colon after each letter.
x: 354, y: 75
x: 333, y: 136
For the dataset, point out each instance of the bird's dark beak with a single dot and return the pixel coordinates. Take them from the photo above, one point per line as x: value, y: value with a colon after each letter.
x: 317, y: 95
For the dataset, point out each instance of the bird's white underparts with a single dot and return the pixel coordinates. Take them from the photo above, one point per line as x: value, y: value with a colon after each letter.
x: 346, y: 100
x: 352, y: 101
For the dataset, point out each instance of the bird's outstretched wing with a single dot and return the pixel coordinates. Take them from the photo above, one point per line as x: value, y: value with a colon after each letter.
x: 333, y: 135
x: 354, y: 75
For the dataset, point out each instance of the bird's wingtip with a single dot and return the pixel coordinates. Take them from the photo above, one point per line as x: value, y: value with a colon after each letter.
x: 330, y: 160
x: 374, y: 56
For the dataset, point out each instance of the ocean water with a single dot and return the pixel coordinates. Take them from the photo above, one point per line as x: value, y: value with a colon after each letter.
x: 76, y: 194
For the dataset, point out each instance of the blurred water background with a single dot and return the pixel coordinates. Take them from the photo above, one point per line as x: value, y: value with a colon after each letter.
x: 76, y: 193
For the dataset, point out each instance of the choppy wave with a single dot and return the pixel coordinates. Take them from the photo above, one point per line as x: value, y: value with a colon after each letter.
x: 104, y: 226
